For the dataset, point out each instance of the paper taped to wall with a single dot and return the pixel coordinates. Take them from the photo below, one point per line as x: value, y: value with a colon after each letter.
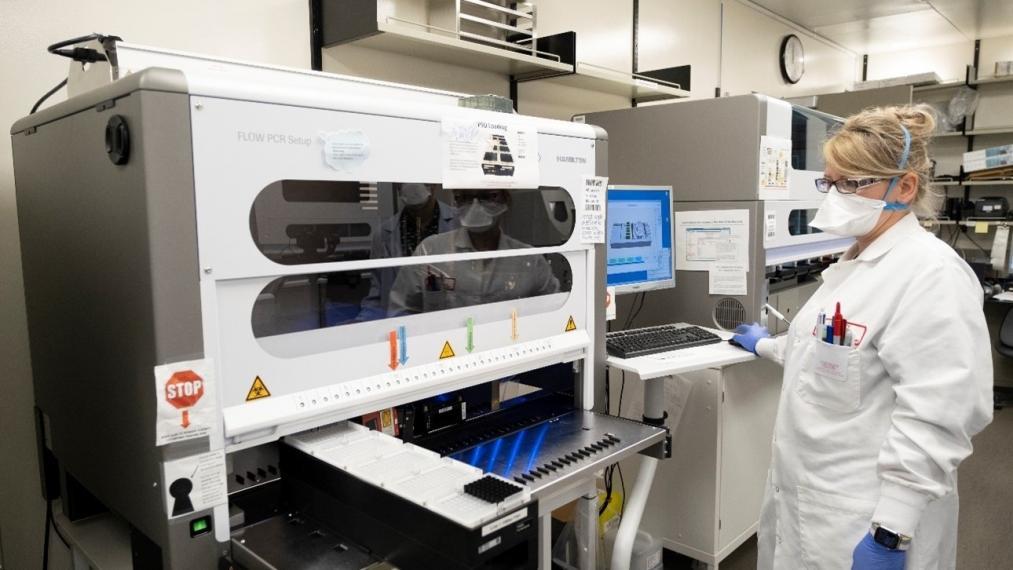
x: 707, y: 238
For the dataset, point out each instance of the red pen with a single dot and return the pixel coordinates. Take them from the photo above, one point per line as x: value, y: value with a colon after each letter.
x: 838, y: 321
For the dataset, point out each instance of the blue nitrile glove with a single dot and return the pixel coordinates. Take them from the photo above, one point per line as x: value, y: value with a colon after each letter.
x: 871, y: 555
x: 747, y: 336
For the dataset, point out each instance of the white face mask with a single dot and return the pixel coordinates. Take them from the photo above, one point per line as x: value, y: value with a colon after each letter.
x: 414, y: 194
x: 848, y: 215
x: 481, y: 216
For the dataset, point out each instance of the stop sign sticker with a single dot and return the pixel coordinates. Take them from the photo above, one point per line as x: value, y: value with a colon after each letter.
x: 185, y: 400
x: 183, y: 390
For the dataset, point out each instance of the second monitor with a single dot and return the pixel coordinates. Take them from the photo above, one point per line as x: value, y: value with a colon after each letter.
x: 639, y: 254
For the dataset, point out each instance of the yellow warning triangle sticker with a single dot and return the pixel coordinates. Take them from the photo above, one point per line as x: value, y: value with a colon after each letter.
x: 570, y: 325
x: 448, y: 351
x: 258, y: 390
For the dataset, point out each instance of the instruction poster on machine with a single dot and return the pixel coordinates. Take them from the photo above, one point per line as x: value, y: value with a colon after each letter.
x: 592, y: 215
x: 489, y: 154
x: 709, y: 238
x: 194, y: 483
x: 185, y: 400
x: 727, y: 280
x: 775, y: 159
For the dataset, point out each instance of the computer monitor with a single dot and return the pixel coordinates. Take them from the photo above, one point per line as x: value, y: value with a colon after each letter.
x: 638, y: 238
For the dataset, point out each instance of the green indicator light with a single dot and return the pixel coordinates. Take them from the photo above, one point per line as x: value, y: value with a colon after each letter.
x: 200, y: 526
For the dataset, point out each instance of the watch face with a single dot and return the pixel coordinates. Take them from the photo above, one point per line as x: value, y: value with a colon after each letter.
x: 888, y: 539
x: 792, y: 59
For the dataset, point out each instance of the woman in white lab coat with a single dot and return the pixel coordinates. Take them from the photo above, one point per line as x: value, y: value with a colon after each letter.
x: 878, y: 405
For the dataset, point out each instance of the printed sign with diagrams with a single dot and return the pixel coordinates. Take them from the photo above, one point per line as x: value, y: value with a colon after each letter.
x: 185, y: 395
x: 705, y: 238
x: 489, y: 154
x: 194, y: 483
x: 775, y: 160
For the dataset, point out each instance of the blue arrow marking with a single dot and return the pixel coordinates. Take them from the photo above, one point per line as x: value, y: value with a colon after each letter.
x: 402, y: 338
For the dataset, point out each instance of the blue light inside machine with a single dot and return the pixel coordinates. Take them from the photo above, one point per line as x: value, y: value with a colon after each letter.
x: 538, y: 446
x: 476, y: 454
x: 494, y: 455
x: 514, y: 449
x: 513, y: 445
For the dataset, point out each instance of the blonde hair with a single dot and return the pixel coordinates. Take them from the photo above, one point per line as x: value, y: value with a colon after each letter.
x: 871, y: 143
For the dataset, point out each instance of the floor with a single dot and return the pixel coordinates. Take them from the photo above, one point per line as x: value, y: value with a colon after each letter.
x: 986, y: 506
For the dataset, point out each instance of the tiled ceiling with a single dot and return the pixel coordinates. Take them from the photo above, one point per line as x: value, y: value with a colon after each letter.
x: 875, y: 26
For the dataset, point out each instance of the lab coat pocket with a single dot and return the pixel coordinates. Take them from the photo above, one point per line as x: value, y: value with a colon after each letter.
x: 830, y: 526
x: 831, y: 376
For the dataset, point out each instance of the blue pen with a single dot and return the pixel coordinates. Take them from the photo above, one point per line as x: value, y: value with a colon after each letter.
x: 830, y: 333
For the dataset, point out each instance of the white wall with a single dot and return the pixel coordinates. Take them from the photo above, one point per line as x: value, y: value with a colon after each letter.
x: 993, y: 50
x: 604, y: 37
x: 948, y: 61
x: 751, y: 42
x: 273, y: 31
x: 681, y: 32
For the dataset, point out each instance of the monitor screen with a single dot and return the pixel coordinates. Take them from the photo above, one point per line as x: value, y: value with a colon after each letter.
x: 638, y: 238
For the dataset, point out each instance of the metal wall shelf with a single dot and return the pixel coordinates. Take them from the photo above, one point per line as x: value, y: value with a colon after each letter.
x: 939, y: 86
x: 988, y: 132
x: 640, y: 88
x: 965, y: 223
x: 368, y: 27
x: 972, y: 183
x: 991, y: 80
x: 408, y: 38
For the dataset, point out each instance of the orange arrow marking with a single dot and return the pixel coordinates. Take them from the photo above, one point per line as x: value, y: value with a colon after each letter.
x: 392, y: 337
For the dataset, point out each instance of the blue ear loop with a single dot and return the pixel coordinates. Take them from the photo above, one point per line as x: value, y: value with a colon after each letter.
x: 894, y: 206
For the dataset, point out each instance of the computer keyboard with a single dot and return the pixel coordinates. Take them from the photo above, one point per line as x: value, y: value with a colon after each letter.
x: 651, y: 340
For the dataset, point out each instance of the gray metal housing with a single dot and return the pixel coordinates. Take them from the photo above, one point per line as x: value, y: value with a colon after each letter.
x: 111, y: 286
x: 708, y: 151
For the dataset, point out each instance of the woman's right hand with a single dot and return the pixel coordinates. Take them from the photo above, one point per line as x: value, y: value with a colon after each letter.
x: 747, y: 336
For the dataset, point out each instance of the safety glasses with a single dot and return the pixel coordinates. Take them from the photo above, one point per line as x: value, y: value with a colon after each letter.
x: 462, y: 197
x: 845, y: 185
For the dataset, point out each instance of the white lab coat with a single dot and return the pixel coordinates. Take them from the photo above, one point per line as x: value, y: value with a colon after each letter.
x: 881, y: 438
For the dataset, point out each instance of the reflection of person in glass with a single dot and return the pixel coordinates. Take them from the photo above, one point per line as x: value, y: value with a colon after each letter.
x: 435, y: 286
x: 420, y: 217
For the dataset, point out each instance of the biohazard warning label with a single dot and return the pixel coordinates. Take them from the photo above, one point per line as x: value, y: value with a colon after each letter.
x: 448, y: 351
x: 185, y: 397
x: 258, y: 390
x: 570, y: 325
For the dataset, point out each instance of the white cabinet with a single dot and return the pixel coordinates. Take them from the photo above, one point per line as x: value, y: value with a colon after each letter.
x: 706, y: 499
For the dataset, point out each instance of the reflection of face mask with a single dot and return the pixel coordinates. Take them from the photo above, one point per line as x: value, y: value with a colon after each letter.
x: 848, y: 215
x: 414, y: 194
x: 481, y: 216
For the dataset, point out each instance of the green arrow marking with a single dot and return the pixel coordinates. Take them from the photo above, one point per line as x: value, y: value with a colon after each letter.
x: 471, y: 334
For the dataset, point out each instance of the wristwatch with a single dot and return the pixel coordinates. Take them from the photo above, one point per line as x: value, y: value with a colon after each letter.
x: 888, y: 538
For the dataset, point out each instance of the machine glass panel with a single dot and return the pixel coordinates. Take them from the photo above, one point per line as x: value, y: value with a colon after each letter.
x: 798, y: 222
x: 315, y: 301
x: 809, y: 130
x: 296, y: 222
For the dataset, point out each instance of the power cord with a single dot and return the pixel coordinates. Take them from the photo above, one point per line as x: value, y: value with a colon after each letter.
x: 80, y: 54
x: 50, y: 524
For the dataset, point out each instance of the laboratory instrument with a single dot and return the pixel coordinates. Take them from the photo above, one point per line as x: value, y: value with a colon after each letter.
x: 221, y: 295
